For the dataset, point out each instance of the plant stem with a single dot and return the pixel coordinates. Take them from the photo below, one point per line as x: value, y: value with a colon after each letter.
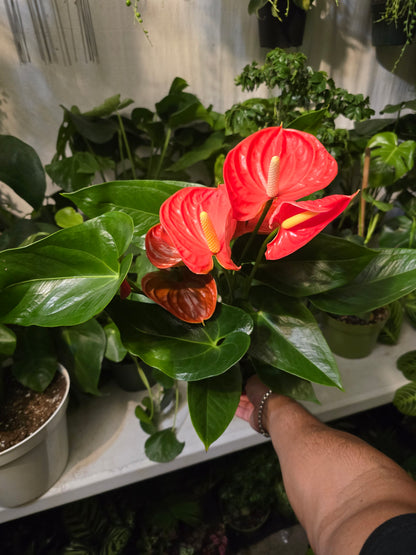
x: 176, y: 405
x: 412, y: 233
x: 163, y: 153
x: 126, y: 144
x: 144, y: 379
x: 255, y: 230
x: 260, y: 254
x: 364, y: 184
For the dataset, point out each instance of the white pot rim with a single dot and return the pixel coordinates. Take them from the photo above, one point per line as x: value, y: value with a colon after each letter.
x: 21, y: 448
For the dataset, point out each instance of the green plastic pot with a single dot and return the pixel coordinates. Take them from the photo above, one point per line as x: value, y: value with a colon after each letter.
x: 351, y: 340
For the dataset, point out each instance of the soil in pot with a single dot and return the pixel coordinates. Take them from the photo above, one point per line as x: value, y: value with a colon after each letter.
x: 25, y: 410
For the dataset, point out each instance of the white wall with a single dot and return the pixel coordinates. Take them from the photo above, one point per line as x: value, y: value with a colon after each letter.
x: 207, y: 42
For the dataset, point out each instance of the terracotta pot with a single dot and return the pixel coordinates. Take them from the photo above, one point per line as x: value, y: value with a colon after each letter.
x: 31, y: 467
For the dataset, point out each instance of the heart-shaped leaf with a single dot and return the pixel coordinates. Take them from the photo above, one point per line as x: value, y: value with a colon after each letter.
x: 325, y: 263
x: 68, y: 277
x: 287, y: 336
x: 183, y: 351
x: 163, y: 446
x: 188, y: 296
x: 212, y: 404
x: 22, y: 170
x: 141, y: 200
x: 388, y: 277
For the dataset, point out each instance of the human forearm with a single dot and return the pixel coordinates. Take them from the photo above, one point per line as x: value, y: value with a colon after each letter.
x: 340, y: 488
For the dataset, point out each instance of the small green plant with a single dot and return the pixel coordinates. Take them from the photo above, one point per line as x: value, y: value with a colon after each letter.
x: 405, y: 397
x: 301, y: 98
x: 177, y: 139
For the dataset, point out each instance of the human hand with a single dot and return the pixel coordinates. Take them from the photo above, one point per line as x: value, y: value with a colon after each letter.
x: 248, y: 407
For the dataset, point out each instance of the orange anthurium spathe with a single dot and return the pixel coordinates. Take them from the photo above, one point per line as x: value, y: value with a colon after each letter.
x: 275, y: 163
x: 198, y: 223
x: 191, y: 298
x: 159, y: 249
x: 299, y: 222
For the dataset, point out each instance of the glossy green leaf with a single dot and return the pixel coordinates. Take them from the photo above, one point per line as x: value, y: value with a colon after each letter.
x: 141, y: 200
x: 115, y: 350
x: 311, y: 122
x: 399, y: 156
x: 68, y: 217
x: 388, y: 277
x: 7, y: 342
x: 284, y: 383
x: 212, y: 404
x: 98, y: 131
x: 22, y: 170
x: 109, y: 106
x: 183, y: 351
x: 77, y: 171
x: 86, y: 345
x: 163, y: 446
x: 287, y: 337
x: 35, y: 360
x: 68, y: 277
x: 208, y: 148
x: 405, y: 399
x: 323, y: 264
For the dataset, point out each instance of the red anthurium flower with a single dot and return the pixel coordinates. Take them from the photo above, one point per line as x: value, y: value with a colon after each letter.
x: 277, y: 163
x: 299, y: 222
x: 160, y: 250
x: 190, y: 297
x: 198, y: 224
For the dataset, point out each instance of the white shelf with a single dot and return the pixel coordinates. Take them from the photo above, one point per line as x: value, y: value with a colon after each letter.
x: 107, y: 443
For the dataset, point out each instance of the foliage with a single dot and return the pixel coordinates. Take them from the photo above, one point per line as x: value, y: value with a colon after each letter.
x: 168, y: 143
x: 401, y: 13
x: 306, y: 99
x: 405, y: 397
x: 255, y: 5
x: 389, y: 195
x: 67, y: 284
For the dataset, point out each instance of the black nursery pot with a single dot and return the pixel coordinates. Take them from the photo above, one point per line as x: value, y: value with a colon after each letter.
x: 285, y: 33
x: 384, y: 33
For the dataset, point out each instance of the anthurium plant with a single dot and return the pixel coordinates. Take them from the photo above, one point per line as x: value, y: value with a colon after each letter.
x: 209, y: 285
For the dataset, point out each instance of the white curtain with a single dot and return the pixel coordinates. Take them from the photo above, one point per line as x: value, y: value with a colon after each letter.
x: 206, y: 42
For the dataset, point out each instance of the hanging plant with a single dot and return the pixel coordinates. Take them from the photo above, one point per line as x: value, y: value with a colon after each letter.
x: 402, y: 15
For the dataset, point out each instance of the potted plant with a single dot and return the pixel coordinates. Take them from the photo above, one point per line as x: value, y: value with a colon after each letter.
x: 283, y: 28
x: 206, y: 323
x: 394, y: 23
x: 33, y: 439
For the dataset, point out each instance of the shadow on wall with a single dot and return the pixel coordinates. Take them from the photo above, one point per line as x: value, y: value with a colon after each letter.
x: 387, y: 56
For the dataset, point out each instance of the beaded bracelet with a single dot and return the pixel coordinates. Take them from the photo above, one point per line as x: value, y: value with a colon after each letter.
x: 260, y: 413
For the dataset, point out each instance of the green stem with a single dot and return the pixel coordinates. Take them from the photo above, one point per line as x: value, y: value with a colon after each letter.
x: 144, y: 379
x: 176, y: 405
x: 412, y: 233
x: 260, y: 254
x: 163, y: 153
x: 255, y: 230
x: 126, y: 144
